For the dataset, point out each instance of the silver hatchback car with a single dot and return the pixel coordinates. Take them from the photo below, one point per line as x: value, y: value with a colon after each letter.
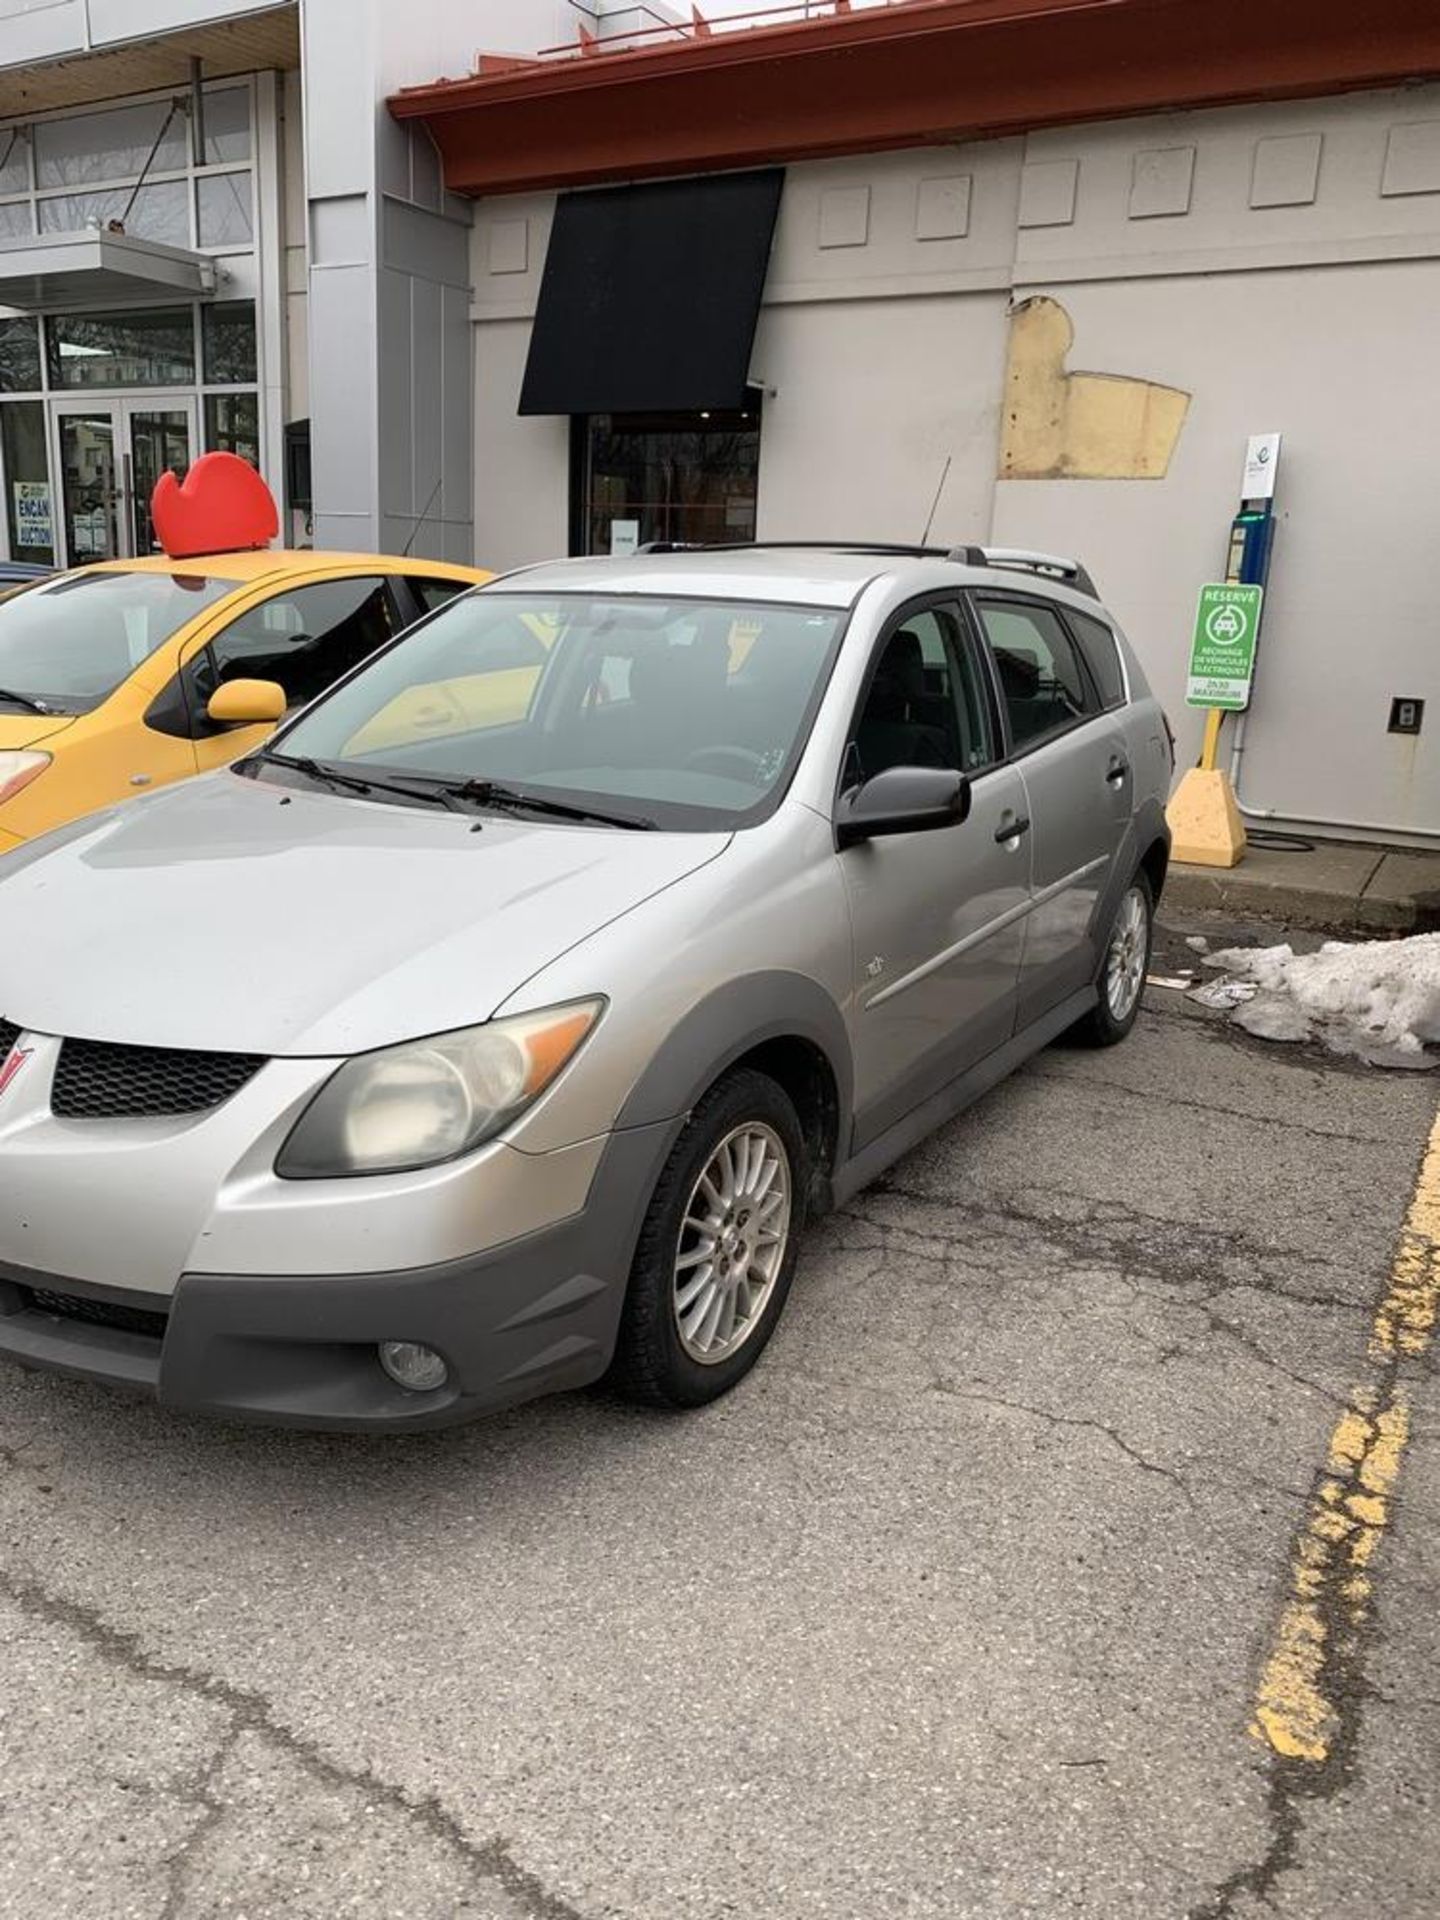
x: 501, y: 1022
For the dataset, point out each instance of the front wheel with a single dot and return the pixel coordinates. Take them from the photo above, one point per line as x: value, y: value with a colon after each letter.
x: 718, y: 1248
x: 1122, y: 974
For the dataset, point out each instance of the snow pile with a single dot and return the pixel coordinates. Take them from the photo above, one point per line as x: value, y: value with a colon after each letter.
x: 1379, y: 998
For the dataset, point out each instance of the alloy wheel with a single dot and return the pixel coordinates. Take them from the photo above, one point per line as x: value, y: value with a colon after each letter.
x: 733, y: 1237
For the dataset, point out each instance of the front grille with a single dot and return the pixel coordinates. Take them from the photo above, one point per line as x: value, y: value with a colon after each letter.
x: 95, y: 1080
x: 100, y: 1313
x: 9, y: 1034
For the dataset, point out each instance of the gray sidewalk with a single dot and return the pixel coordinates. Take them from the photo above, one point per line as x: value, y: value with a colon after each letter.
x: 1340, y: 886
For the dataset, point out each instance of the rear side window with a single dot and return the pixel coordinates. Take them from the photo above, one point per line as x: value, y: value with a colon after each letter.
x: 1043, y: 683
x: 1102, y: 656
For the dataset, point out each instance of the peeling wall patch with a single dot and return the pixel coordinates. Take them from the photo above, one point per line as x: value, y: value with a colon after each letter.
x: 1079, y: 426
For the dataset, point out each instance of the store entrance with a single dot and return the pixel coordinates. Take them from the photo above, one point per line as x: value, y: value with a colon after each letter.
x: 685, y: 477
x: 108, y: 455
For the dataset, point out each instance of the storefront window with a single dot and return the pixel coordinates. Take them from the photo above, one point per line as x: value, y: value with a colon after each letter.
x: 227, y: 125
x: 160, y: 212
x: 232, y: 425
x: 14, y: 161
x: 151, y: 347
x: 115, y: 398
x: 19, y: 356
x: 228, y: 334
x: 81, y: 149
x: 688, y: 477
x: 223, y: 209
x: 28, y: 510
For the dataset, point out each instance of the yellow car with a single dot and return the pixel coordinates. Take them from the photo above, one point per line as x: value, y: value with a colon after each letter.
x: 118, y: 678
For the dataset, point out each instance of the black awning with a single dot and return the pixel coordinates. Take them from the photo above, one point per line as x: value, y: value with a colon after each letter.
x: 650, y: 296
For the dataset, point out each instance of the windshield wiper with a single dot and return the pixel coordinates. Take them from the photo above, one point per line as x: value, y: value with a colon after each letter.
x: 24, y: 700
x: 355, y: 782
x: 491, y: 793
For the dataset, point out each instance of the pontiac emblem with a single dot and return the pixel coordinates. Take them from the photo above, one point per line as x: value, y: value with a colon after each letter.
x: 9, y: 1069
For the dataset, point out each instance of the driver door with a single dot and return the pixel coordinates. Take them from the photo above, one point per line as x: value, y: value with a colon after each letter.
x: 938, y: 916
x: 302, y: 636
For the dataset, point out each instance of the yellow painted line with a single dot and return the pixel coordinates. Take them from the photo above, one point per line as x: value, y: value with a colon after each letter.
x: 1297, y: 1713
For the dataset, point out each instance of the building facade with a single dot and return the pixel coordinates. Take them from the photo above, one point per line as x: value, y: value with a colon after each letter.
x: 984, y: 271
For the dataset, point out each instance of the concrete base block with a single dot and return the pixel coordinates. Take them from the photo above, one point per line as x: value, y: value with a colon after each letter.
x: 1204, y: 820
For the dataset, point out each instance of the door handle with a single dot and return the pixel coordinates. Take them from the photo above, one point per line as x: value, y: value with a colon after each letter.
x: 1012, y: 831
x: 1118, y: 768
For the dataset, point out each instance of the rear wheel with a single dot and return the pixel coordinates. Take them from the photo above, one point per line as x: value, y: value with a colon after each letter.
x: 718, y: 1248
x: 1122, y: 973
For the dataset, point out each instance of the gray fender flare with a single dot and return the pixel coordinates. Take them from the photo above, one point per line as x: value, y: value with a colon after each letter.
x: 727, y: 1024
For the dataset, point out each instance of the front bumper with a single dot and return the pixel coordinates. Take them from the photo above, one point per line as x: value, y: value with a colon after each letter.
x: 535, y: 1316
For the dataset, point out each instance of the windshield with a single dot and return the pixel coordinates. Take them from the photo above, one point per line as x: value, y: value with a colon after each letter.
x: 680, y: 712
x: 68, y: 644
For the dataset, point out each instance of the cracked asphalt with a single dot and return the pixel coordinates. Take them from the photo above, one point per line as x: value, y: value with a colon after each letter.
x: 957, y: 1607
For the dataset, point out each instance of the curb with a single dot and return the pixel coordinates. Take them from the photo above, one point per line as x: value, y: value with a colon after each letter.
x: 1391, y: 899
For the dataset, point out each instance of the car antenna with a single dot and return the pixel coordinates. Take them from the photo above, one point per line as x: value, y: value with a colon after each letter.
x: 934, y: 504
x: 415, y: 530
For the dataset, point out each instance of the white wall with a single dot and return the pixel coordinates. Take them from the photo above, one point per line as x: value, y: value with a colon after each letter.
x: 852, y: 447
x: 1342, y: 360
x: 1280, y: 264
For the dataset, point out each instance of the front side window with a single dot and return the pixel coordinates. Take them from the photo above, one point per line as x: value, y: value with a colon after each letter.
x: 304, y: 638
x: 925, y: 706
x: 691, y: 713
x: 1041, y: 678
x: 68, y: 644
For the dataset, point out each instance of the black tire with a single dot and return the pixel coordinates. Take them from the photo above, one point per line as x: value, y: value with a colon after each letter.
x: 1101, y: 1027
x: 651, y: 1364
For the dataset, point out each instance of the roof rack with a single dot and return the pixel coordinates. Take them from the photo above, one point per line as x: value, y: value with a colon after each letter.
x: 1053, y: 566
x: 801, y: 546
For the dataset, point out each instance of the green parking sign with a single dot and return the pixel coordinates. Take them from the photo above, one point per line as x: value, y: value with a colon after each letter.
x: 1222, y: 648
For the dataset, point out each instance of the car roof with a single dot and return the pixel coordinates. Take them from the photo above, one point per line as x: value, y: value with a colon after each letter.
x: 819, y: 575
x: 810, y: 576
x: 260, y: 564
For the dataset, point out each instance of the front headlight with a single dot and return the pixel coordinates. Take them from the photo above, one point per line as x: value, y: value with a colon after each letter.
x: 17, y: 770
x: 432, y: 1100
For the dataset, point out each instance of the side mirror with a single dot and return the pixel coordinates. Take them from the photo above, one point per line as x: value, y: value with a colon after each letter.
x: 902, y: 800
x: 247, y: 703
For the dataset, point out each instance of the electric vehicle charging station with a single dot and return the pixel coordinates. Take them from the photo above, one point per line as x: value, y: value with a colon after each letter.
x: 1204, y: 818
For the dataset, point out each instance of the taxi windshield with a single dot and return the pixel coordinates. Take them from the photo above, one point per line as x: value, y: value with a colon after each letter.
x: 65, y: 646
x: 644, y: 709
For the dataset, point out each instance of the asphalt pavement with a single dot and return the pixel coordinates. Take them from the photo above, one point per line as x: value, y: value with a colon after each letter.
x: 969, y: 1602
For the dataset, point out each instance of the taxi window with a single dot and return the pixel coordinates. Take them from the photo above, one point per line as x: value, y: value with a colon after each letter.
x: 303, y: 637
x: 67, y: 644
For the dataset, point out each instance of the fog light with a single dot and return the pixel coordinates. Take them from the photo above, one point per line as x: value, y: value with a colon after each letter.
x: 418, y: 1369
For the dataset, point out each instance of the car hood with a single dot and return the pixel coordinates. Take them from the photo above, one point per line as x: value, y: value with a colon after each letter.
x: 29, y: 729
x: 242, y: 917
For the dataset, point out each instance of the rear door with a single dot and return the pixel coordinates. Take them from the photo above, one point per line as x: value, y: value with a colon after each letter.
x: 1071, y: 754
x: 937, y: 917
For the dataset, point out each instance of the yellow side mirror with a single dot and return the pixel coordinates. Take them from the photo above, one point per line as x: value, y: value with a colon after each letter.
x: 247, y: 703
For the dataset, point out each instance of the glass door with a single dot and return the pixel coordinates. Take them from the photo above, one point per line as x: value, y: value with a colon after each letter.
x: 108, y: 455
x: 87, y: 460
x: 159, y: 437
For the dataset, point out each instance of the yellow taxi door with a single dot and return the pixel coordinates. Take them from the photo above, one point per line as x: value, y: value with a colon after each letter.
x: 302, y: 633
